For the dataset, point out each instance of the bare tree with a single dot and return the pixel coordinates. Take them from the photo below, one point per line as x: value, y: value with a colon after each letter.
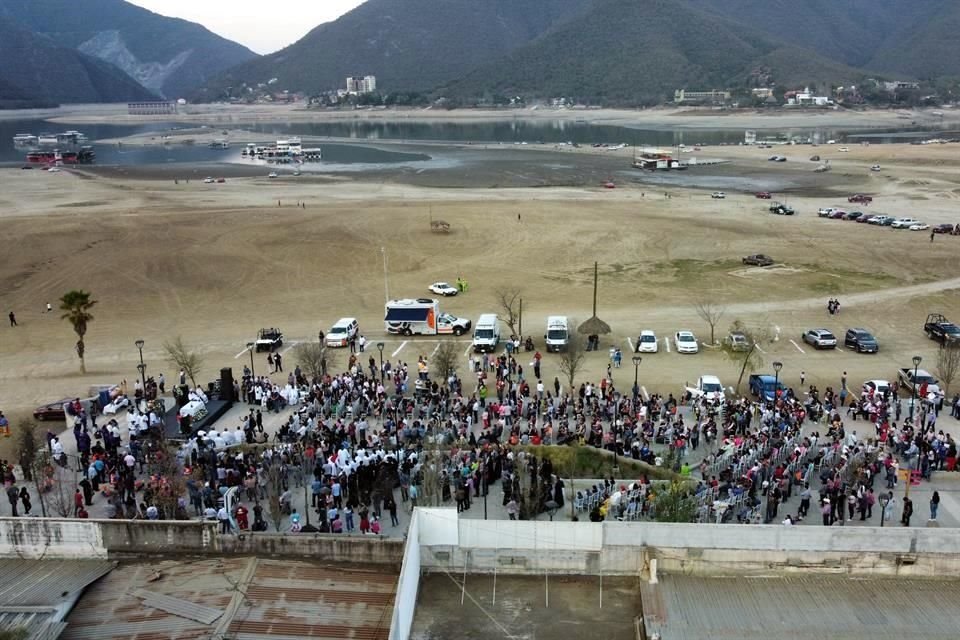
x: 313, y: 358
x: 571, y: 360
x: 444, y: 361
x: 509, y: 300
x: 711, y: 314
x: 948, y: 364
x: 275, y: 481
x: 182, y: 357
x: 30, y: 455
x: 747, y: 355
x: 57, y: 484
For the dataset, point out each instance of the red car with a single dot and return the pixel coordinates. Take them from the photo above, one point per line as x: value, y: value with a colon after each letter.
x: 52, y: 411
x: 860, y: 198
x: 763, y: 195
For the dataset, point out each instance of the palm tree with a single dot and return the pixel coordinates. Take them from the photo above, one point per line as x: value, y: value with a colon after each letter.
x: 76, y: 307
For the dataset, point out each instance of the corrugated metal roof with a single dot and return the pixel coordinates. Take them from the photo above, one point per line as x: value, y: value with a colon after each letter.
x: 47, y: 582
x: 41, y: 623
x: 280, y: 599
x: 178, y: 607
x: 809, y: 607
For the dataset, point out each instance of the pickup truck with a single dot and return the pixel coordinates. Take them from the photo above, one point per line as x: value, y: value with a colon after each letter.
x: 766, y: 385
x: 269, y: 339
x: 781, y: 209
x: 709, y: 387
x: 906, y: 378
x: 759, y: 260
x: 938, y: 328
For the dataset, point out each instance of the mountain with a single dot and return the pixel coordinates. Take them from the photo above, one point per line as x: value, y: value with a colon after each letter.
x: 909, y: 38
x: 407, y: 44
x: 168, y: 56
x: 38, y: 72
x: 628, y: 51
x: 925, y: 49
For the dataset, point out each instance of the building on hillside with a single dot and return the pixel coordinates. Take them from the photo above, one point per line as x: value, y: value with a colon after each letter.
x: 682, y: 96
x: 806, y: 98
x: 157, y: 108
x: 899, y: 85
x: 762, y: 93
x: 357, y: 85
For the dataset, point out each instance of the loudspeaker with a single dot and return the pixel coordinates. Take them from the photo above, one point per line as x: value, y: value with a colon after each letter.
x: 226, y: 385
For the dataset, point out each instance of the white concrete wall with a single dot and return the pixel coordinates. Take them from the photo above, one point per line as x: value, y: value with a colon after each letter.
x: 778, y: 537
x: 35, y: 538
x: 408, y: 585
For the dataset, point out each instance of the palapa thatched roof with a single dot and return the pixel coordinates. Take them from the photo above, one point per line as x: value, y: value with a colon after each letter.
x: 594, y: 325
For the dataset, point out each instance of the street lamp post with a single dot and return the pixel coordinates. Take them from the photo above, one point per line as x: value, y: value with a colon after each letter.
x: 916, y: 366
x: 776, y: 379
x: 380, y: 346
x: 250, y: 346
x: 142, y: 367
x: 884, y: 501
x: 615, y: 426
x: 636, y: 377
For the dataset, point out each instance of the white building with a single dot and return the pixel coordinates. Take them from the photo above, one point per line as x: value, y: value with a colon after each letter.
x: 357, y: 85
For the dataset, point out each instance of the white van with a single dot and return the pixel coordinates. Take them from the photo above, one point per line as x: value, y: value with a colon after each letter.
x: 558, y: 333
x: 342, y: 332
x: 486, y: 336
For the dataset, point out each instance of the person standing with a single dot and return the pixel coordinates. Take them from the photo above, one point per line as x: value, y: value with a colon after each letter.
x: 363, y: 343
x: 25, y: 499
x: 278, y: 360
x: 907, y: 512
x: 270, y: 363
x: 934, y: 505
x: 803, y: 377
x: 162, y: 384
x: 13, y: 495
x: 13, y: 319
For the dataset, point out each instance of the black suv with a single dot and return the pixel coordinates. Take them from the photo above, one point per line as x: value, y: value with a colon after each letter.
x: 861, y: 341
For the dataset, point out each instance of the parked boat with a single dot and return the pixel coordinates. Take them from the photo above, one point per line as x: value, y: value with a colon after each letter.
x: 283, y: 152
x: 65, y: 139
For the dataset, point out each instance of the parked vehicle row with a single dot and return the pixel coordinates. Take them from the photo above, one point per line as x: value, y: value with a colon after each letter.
x: 858, y: 339
x: 882, y: 220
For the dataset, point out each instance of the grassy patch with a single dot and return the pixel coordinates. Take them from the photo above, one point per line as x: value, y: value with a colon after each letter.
x: 590, y: 463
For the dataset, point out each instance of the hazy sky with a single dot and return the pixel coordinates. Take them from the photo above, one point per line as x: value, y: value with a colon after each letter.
x: 254, y: 23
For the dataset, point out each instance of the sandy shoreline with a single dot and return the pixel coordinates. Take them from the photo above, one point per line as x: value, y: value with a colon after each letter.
x: 662, y: 117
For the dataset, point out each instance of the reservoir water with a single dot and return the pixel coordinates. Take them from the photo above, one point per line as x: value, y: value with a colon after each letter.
x: 370, y: 131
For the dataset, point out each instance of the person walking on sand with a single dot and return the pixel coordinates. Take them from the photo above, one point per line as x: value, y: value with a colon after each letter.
x: 13, y: 319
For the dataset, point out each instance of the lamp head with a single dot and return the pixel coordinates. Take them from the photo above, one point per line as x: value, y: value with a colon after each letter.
x: 637, y: 360
x: 380, y: 346
x: 917, y: 360
x: 139, y: 344
x: 141, y: 367
x: 777, y: 366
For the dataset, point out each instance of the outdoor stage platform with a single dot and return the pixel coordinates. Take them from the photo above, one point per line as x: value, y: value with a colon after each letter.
x: 215, y: 410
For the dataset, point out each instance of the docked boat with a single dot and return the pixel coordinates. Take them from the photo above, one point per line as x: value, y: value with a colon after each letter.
x: 219, y: 144
x: 65, y: 139
x: 85, y: 155
x: 283, y: 151
x: 25, y: 140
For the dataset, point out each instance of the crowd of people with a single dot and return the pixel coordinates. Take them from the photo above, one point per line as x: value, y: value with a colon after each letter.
x: 370, y: 440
